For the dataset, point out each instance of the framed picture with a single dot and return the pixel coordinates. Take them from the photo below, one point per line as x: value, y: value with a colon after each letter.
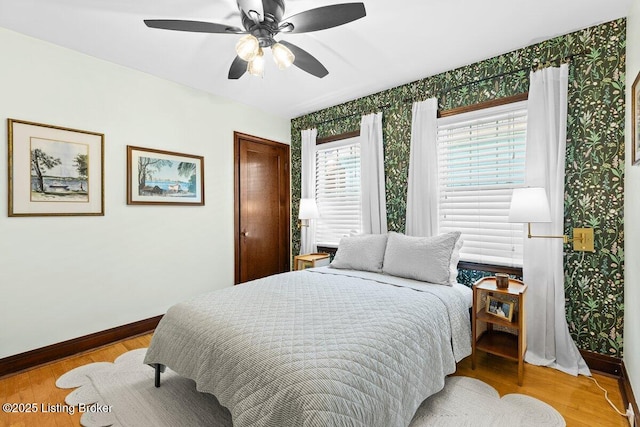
x: 156, y: 177
x: 54, y: 171
x: 635, y: 121
x: 500, y: 308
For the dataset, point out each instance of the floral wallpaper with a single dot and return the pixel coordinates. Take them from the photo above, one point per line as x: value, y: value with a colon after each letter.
x: 594, y: 162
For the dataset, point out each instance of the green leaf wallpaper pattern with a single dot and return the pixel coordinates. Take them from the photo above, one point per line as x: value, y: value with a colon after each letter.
x: 594, y: 282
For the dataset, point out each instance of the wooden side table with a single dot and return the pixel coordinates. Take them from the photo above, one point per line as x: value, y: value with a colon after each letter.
x: 301, y: 262
x: 504, y: 336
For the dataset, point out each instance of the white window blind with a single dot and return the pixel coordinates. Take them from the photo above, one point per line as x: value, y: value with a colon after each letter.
x: 481, y: 159
x: 338, y: 192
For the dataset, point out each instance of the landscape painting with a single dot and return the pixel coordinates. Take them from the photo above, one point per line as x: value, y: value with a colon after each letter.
x: 54, y: 170
x: 164, y: 177
x: 59, y: 171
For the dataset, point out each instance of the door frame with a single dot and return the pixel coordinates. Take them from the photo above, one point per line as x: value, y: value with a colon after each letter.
x: 236, y: 195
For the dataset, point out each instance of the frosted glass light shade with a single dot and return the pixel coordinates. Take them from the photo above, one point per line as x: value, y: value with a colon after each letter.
x: 308, y: 209
x: 256, y: 65
x: 282, y: 56
x: 248, y: 47
x: 529, y: 205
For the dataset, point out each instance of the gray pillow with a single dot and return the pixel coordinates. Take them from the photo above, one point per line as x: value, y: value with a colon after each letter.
x: 363, y: 252
x: 428, y: 259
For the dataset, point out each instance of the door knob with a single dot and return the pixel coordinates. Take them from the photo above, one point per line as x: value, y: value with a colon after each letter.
x: 244, y: 233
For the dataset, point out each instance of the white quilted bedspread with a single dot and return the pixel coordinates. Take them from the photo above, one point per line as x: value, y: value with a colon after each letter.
x: 308, y: 348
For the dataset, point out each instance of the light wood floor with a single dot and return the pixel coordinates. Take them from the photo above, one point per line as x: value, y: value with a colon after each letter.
x: 579, y: 400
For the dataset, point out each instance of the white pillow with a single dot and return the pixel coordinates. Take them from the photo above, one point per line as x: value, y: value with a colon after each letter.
x: 428, y: 259
x: 363, y: 252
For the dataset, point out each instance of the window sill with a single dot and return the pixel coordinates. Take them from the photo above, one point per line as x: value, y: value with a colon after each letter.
x: 492, y: 268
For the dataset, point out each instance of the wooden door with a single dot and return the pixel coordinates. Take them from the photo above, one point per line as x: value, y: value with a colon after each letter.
x: 262, y: 223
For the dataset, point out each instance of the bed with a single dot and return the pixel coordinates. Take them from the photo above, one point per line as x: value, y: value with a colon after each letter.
x: 318, y: 347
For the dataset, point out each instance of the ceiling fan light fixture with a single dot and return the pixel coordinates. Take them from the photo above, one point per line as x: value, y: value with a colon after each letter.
x: 282, y: 56
x: 262, y: 21
x: 248, y: 47
x: 255, y: 67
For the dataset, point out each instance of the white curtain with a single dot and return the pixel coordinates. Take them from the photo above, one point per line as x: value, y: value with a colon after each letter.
x: 548, y: 340
x: 308, y: 187
x: 374, y: 201
x: 422, y: 192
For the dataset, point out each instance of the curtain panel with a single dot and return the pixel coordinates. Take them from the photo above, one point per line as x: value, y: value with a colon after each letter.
x: 308, y: 187
x: 549, y: 342
x: 374, y: 201
x: 422, y: 191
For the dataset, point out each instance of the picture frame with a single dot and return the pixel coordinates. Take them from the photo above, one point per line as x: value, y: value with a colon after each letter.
x: 158, y: 177
x: 635, y: 121
x: 54, y: 171
x: 500, y: 308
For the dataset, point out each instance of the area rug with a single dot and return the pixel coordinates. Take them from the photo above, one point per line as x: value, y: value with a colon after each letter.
x: 122, y: 394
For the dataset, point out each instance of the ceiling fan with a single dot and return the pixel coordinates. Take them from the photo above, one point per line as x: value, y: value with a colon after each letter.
x: 262, y: 21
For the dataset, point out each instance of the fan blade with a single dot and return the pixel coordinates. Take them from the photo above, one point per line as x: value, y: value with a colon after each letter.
x: 326, y: 17
x: 193, y: 26
x: 238, y: 68
x: 305, y: 61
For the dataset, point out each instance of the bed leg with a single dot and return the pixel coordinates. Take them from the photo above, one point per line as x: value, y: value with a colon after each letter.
x: 157, y: 378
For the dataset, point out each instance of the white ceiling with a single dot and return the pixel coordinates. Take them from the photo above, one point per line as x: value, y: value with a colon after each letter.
x: 397, y: 42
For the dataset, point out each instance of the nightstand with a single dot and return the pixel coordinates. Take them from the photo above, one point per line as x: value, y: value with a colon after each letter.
x: 301, y: 262
x: 498, y: 321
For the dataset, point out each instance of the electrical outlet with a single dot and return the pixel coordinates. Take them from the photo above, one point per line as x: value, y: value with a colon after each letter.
x: 631, y: 416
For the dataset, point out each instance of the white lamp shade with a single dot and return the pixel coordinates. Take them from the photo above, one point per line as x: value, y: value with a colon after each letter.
x: 255, y: 67
x: 308, y: 209
x: 248, y: 47
x: 529, y: 205
x: 282, y: 56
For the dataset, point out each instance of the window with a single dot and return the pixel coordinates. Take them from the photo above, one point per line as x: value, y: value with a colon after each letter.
x: 481, y: 159
x: 338, y: 191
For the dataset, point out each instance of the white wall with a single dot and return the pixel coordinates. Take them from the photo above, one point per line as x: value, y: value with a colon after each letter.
x: 65, y: 277
x: 631, y: 215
